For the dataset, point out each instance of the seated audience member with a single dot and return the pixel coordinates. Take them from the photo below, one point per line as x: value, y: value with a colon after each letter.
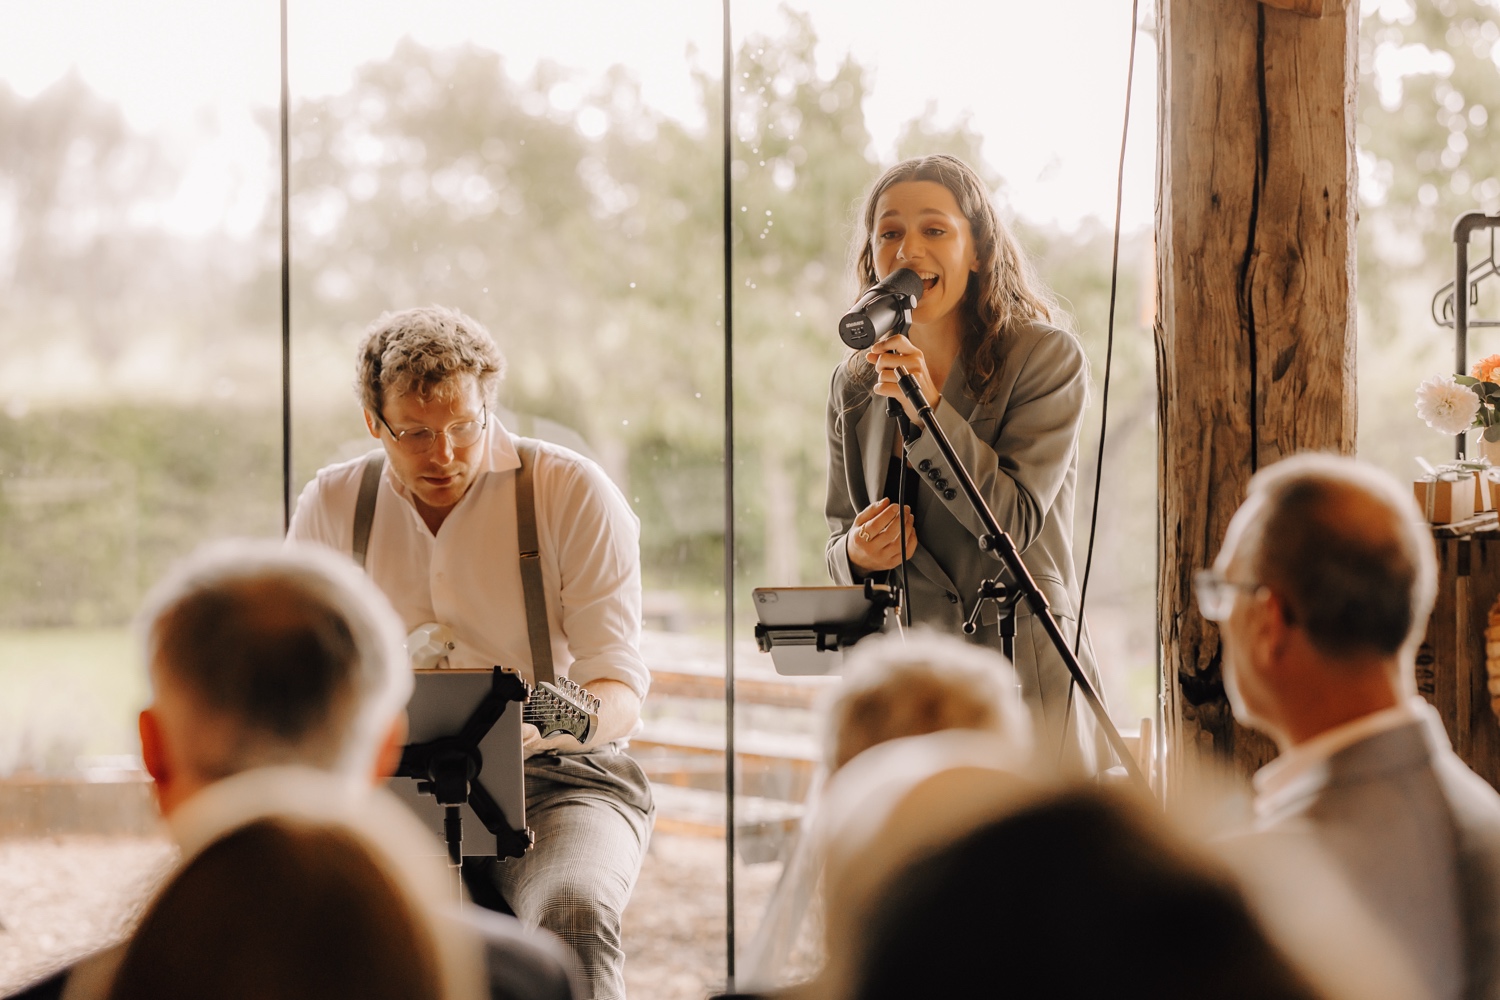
x: 1322, y: 591
x: 278, y: 684
x: 1074, y: 894
x: 893, y: 688
x: 923, y: 683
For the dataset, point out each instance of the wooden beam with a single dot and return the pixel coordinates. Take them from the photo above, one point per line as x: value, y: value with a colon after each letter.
x: 1310, y: 8
x: 1255, y: 311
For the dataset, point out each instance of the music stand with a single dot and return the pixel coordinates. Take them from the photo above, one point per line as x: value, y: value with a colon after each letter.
x: 807, y: 629
x: 465, y: 756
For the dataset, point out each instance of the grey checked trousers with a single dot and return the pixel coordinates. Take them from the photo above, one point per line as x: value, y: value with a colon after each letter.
x: 592, y: 816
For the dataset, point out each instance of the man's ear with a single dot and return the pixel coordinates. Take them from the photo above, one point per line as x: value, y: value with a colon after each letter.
x: 370, y: 424
x: 1274, y: 627
x: 153, y: 749
x: 390, y: 750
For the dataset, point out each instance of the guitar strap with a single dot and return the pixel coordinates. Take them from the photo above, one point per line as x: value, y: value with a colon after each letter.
x: 537, y: 631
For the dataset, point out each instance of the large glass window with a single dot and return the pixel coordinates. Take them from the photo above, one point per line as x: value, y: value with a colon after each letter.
x: 563, y: 188
x: 824, y: 102
x: 139, y: 410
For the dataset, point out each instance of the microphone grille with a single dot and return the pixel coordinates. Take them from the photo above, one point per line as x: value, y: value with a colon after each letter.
x: 906, y: 281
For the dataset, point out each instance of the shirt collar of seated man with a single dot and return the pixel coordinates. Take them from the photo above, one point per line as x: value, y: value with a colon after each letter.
x: 1326, y: 579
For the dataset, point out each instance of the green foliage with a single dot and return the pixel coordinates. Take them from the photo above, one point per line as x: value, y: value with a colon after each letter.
x: 96, y: 502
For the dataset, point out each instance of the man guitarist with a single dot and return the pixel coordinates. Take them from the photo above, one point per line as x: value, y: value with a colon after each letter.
x: 528, y: 557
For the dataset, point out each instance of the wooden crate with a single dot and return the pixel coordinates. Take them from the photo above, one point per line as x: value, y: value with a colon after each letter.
x: 1451, y: 672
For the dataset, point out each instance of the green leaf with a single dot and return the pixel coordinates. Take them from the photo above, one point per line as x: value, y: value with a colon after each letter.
x: 1466, y: 380
x: 1492, y: 433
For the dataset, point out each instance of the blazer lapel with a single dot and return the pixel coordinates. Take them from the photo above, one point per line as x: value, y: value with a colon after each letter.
x: 876, y: 433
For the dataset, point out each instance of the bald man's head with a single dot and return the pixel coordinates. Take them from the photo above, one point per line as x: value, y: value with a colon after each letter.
x: 1345, y: 549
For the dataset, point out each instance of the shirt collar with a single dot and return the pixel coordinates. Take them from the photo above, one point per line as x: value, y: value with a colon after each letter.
x: 1300, y: 768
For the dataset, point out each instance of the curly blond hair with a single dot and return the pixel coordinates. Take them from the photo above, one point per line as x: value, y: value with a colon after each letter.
x: 425, y: 351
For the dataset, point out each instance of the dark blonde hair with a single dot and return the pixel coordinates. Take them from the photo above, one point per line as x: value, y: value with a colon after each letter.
x: 424, y: 351
x: 1003, y: 291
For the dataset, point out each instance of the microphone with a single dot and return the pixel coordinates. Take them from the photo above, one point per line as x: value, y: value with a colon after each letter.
x: 880, y: 308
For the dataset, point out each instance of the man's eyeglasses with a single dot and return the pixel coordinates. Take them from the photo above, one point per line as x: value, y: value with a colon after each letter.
x: 419, y: 440
x: 1216, y: 594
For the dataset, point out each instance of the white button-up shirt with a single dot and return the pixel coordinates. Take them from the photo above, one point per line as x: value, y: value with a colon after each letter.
x: 468, y: 576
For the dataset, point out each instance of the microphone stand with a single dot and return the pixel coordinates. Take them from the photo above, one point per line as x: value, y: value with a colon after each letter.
x: 999, y: 544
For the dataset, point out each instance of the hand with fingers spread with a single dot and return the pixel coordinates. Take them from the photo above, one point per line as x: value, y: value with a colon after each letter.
x: 875, y: 538
x: 894, y: 352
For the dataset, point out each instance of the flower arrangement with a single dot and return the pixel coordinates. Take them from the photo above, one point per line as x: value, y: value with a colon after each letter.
x: 1451, y: 404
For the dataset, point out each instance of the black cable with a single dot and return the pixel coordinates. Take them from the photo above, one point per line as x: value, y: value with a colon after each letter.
x: 901, y: 521
x: 1109, y: 350
x: 729, y: 783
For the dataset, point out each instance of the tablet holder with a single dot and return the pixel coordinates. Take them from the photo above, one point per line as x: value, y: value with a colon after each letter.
x: 833, y: 637
x: 447, y: 768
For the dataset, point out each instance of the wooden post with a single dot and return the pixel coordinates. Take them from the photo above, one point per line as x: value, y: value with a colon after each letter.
x: 1255, y: 310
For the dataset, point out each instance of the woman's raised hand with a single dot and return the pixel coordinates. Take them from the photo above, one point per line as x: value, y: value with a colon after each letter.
x: 875, y: 539
x: 894, y: 352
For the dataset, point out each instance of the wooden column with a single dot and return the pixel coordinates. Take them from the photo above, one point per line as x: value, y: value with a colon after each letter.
x: 1255, y: 311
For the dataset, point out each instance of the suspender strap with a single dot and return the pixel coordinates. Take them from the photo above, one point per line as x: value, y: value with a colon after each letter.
x: 364, y: 507
x: 531, y: 568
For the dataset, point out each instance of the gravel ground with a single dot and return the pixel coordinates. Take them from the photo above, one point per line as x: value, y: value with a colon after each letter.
x: 63, y: 897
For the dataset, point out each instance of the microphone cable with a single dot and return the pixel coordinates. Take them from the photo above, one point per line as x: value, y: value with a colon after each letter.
x: 1109, y: 357
x: 1109, y: 349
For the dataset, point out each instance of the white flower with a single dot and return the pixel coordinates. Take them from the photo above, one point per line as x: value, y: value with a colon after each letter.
x: 1446, y: 406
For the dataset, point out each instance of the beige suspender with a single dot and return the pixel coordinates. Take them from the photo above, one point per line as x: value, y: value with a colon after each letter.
x: 531, y: 568
x: 537, y: 631
x: 364, y: 507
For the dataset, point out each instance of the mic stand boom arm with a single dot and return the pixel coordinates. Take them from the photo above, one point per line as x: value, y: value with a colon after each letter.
x: 999, y: 544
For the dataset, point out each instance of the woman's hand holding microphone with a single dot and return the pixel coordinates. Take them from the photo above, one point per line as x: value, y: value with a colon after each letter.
x: 875, y: 538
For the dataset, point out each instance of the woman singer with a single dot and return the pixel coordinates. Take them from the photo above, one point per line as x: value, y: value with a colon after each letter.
x: 1009, y: 389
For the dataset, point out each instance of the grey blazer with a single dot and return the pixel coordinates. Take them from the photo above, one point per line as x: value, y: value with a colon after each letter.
x: 1417, y: 835
x: 1022, y: 450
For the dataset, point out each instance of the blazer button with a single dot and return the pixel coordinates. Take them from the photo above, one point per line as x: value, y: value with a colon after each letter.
x: 941, y: 483
x: 950, y: 494
x: 952, y: 598
x: 934, y: 474
x: 924, y: 465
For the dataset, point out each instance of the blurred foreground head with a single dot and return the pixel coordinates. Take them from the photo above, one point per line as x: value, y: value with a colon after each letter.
x: 262, y: 654
x: 284, y: 909
x: 297, y: 884
x: 927, y: 682
x: 1073, y: 894
x: 1322, y: 590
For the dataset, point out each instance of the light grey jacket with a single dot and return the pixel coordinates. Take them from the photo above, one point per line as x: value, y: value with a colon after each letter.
x: 1417, y: 836
x: 1022, y: 450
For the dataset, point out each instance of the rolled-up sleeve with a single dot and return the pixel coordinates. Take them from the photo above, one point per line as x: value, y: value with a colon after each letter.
x: 596, y: 539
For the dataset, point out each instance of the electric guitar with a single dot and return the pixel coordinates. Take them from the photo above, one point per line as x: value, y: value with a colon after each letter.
x: 562, y: 706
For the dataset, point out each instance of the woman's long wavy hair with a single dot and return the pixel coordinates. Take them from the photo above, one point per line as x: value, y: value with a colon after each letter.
x: 1003, y: 293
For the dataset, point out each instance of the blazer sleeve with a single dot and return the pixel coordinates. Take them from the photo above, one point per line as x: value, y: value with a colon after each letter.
x: 1034, y: 447
x: 839, y: 507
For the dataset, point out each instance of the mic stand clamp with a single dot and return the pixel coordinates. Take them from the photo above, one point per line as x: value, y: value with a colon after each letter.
x: 1005, y: 599
x: 995, y: 541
